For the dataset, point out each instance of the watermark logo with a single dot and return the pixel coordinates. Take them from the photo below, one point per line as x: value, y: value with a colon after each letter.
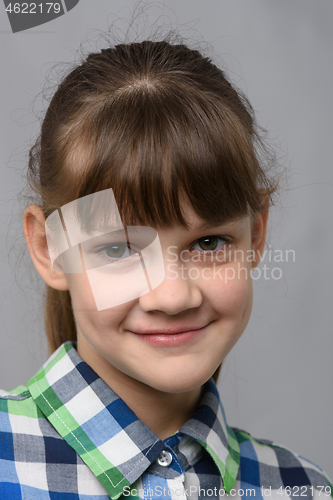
x: 25, y: 15
x: 121, y: 263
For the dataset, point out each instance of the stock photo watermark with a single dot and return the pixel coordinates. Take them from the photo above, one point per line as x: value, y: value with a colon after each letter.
x: 197, y: 491
x: 26, y: 15
x: 240, y: 264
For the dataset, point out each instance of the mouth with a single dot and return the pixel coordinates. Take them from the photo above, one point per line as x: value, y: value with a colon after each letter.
x: 171, y: 336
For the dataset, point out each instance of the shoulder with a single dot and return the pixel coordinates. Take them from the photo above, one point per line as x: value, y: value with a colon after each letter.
x: 18, y: 416
x: 20, y: 421
x: 17, y: 402
x: 25, y: 438
x: 266, y: 464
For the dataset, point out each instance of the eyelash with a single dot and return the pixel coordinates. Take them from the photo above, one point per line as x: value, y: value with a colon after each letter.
x: 109, y: 259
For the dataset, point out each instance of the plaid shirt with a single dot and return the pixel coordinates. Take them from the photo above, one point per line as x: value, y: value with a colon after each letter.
x: 68, y: 436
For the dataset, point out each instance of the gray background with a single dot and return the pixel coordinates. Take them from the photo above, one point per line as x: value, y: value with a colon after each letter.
x: 277, y: 381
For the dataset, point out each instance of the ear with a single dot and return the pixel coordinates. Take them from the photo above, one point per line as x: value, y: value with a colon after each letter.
x: 34, y: 232
x: 258, y: 234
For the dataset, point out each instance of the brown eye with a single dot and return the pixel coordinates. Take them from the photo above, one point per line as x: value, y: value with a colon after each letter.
x: 210, y: 243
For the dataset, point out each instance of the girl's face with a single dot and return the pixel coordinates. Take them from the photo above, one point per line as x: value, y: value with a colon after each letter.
x: 206, y: 293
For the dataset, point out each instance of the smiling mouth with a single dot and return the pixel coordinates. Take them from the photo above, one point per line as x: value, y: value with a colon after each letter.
x: 171, y: 336
x: 168, y: 331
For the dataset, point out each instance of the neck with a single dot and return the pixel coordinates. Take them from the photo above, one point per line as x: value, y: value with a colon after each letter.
x: 164, y: 413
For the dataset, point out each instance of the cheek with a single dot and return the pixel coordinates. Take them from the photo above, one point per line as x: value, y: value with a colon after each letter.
x: 230, y: 293
x: 80, y: 292
x: 89, y: 319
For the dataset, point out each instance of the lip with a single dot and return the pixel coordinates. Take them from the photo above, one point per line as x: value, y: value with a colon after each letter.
x: 171, y: 336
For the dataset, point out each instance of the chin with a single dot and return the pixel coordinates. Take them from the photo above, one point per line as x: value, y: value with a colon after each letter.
x: 178, y: 383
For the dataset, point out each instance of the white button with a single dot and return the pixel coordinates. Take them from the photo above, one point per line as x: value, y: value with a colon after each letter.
x: 164, y: 458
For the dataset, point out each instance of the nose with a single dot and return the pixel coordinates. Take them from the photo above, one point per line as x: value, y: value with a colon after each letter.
x: 175, y: 294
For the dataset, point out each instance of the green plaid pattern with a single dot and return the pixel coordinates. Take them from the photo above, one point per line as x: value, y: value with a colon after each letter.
x: 68, y: 436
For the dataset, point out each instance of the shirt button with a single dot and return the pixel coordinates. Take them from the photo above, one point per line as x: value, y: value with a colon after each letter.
x: 164, y: 458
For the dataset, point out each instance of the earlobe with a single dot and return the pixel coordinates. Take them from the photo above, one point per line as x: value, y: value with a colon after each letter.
x: 34, y: 232
x: 259, y: 229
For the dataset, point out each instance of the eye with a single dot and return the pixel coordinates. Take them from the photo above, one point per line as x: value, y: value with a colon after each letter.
x: 115, y: 252
x: 210, y: 243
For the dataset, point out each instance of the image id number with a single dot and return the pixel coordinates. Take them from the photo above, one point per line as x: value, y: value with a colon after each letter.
x: 33, y: 8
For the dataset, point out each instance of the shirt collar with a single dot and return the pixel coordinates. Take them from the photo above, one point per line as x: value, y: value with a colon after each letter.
x: 209, y: 427
x: 105, y: 432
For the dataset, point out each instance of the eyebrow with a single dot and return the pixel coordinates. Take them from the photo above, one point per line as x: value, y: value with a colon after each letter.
x: 104, y: 230
x: 208, y: 225
x: 110, y: 229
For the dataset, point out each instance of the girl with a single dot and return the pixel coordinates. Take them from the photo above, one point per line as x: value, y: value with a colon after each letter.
x: 153, y: 209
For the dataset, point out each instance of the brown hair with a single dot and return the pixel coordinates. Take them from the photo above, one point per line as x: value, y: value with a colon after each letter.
x: 154, y: 121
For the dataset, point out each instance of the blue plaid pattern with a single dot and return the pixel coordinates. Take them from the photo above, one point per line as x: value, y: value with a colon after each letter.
x: 68, y: 436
